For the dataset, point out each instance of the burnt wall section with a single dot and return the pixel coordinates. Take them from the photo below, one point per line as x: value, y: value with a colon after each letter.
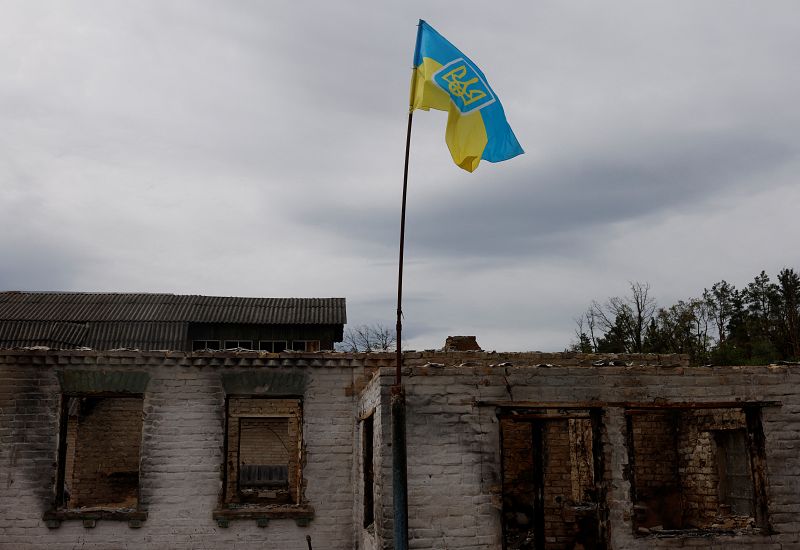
x: 29, y: 420
x: 455, y: 469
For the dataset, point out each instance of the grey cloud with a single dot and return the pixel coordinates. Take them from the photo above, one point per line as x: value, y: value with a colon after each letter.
x: 256, y: 148
x: 41, y: 264
x: 558, y: 208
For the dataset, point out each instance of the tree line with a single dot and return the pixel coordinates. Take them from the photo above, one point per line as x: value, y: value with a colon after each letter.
x: 757, y: 324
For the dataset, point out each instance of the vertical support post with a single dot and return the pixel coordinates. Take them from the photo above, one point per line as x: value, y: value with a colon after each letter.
x: 399, y: 472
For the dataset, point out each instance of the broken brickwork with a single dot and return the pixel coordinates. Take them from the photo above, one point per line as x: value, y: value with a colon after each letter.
x: 692, y: 469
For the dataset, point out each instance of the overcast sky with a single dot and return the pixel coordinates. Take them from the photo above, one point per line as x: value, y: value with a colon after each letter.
x: 255, y: 148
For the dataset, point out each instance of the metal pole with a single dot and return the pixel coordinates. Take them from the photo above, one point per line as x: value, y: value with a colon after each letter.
x: 399, y: 470
x: 398, y: 374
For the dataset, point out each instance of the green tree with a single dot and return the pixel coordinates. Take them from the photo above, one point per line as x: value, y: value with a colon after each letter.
x: 789, y: 288
x: 756, y: 325
x: 762, y: 300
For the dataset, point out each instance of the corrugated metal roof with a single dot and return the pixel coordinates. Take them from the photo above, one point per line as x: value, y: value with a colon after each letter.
x: 37, y: 333
x: 168, y: 308
x: 111, y: 335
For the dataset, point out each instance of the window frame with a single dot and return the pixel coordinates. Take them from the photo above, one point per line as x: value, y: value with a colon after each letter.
x: 206, y: 348
x: 299, y: 508
x: 59, y: 511
x: 273, y: 342
x: 305, y: 347
x: 238, y: 345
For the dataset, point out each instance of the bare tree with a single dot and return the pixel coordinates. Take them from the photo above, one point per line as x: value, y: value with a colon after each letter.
x: 374, y: 337
x: 643, y: 307
x: 585, y: 327
x: 628, y: 317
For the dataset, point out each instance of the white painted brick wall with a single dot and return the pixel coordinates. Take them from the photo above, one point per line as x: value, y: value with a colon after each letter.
x: 454, y: 451
x: 180, y: 479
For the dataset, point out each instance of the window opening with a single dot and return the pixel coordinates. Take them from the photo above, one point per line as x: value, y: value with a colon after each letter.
x: 696, y: 469
x: 101, y: 453
x: 735, y: 479
x: 272, y: 346
x: 242, y: 344
x: 551, y: 479
x: 305, y: 345
x: 367, y: 446
x: 200, y: 345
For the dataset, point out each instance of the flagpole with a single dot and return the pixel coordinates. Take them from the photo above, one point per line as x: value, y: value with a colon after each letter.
x: 398, y: 399
x: 398, y: 379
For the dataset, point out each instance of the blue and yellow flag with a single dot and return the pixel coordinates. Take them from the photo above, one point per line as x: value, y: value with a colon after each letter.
x: 447, y: 80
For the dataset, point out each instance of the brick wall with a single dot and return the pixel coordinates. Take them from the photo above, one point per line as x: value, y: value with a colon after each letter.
x: 518, y: 482
x: 566, y: 466
x: 267, y: 441
x: 182, y: 440
x: 658, y: 487
x: 374, y: 401
x: 698, y: 461
x: 455, y: 488
x: 454, y: 450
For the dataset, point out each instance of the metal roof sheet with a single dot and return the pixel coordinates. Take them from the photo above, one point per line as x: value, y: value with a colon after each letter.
x: 104, y: 335
x: 75, y: 307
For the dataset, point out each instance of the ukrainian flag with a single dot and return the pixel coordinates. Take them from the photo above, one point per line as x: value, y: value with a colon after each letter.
x: 447, y: 80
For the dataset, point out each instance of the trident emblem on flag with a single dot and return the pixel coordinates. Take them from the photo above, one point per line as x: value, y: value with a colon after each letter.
x: 464, y: 85
x: 460, y: 88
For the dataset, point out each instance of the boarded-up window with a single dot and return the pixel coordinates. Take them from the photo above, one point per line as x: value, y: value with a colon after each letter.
x: 264, y: 444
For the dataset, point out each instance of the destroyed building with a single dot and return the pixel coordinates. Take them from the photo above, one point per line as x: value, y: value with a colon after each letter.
x: 251, y: 449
